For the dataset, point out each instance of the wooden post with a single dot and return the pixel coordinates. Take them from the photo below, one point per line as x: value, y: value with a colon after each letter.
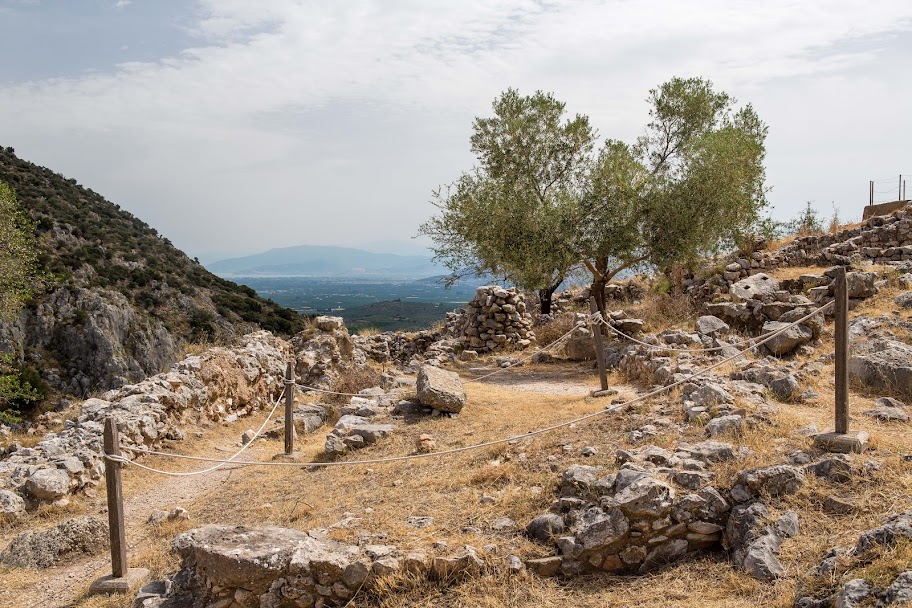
x: 899, y: 189
x: 842, y: 353
x: 289, y: 407
x: 871, y: 192
x: 599, y: 349
x: 115, y: 500
x: 841, y: 440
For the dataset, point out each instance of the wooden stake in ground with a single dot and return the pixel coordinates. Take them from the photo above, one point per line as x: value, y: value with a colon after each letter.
x: 599, y: 351
x: 841, y: 440
x: 289, y: 406
x: 289, y: 453
x: 122, y: 578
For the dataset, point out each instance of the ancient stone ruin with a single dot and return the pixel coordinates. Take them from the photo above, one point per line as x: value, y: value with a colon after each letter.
x: 495, y: 319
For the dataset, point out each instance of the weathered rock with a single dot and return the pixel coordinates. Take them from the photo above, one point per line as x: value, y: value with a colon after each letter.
x: 724, y: 425
x: 776, y: 480
x: 598, y: 528
x: 882, y: 364
x: 544, y: 566
x: 643, y: 496
x: 48, y: 484
x: 58, y: 545
x: 898, y: 526
x: 853, y: 594
x: 11, y: 505
x: 578, y: 480
x: 787, y: 341
x: 837, y: 467
x: 709, y: 325
x: 545, y: 527
x: 465, y: 563
x: 754, y: 287
x: 900, y: 590
x: 440, y: 389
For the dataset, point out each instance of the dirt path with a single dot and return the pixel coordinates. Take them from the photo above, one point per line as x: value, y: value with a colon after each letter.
x: 60, y: 587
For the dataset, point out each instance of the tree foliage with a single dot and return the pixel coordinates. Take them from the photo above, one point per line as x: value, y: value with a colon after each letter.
x: 542, y: 200
x: 504, y: 216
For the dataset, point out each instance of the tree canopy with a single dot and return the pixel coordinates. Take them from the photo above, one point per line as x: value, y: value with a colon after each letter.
x: 541, y: 200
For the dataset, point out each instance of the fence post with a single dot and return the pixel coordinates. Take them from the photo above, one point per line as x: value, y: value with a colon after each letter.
x: 122, y: 578
x: 842, y: 352
x: 289, y: 406
x: 599, y: 349
x: 841, y: 440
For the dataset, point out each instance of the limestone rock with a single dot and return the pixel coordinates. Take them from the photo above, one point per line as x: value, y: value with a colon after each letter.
x: 545, y: 527
x: 709, y: 325
x: 11, y: 505
x: 787, y: 341
x: 776, y: 480
x: 48, y: 484
x: 882, y: 364
x: 754, y: 287
x: 440, y: 389
x: 63, y: 543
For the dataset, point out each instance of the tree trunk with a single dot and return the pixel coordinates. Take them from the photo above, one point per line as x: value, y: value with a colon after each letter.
x: 544, y: 298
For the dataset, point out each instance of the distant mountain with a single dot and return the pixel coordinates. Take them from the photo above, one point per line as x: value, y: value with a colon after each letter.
x: 327, y: 261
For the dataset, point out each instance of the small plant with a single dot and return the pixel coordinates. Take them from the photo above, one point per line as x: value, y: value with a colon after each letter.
x: 807, y: 222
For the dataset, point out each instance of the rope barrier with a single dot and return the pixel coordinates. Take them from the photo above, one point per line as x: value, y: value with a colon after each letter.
x: 542, y: 431
x: 223, y: 462
x: 747, y: 345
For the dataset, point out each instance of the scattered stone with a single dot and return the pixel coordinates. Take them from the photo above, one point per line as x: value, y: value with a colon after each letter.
x: 440, y: 389
x: 755, y: 287
x: 776, y: 480
x: 838, y: 506
x: 61, y: 544
x: 48, y: 484
x: 787, y: 341
x: 711, y: 326
x: 12, y: 506
x: 247, y: 436
x: 724, y: 425
x: 545, y: 527
x: 159, y: 517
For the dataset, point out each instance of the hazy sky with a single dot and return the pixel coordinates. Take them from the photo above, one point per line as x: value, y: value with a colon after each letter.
x: 235, y: 126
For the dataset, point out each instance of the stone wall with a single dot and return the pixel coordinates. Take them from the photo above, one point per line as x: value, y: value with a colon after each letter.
x: 221, y: 384
x: 495, y: 319
x: 879, y: 240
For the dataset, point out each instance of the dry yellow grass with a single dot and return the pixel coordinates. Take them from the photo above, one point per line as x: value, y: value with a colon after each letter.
x: 521, y: 478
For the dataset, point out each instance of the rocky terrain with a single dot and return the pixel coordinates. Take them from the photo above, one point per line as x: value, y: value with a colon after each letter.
x: 120, y: 300
x: 695, y: 482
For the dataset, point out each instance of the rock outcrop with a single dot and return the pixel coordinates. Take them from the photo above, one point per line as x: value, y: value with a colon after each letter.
x: 60, y: 544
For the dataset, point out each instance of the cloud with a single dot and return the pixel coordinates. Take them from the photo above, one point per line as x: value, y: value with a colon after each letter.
x: 122, y: 3
x: 338, y: 83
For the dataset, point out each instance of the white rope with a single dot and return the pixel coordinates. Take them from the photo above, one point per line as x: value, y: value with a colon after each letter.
x: 607, y: 410
x: 748, y: 344
x: 229, y: 460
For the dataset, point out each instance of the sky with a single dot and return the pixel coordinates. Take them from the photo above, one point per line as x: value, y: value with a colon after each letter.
x: 236, y: 126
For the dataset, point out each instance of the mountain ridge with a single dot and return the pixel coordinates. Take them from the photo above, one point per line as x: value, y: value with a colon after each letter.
x: 326, y: 261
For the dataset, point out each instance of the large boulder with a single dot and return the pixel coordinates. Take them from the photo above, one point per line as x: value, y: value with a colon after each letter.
x: 883, y: 364
x: 63, y: 543
x: 787, y: 341
x: 755, y: 287
x: 440, y: 389
x: 709, y: 325
x: 48, y: 484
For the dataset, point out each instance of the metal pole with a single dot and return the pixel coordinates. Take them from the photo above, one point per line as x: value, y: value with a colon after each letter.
x: 842, y: 353
x: 599, y: 349
x: 899, y: 189
x: 289, y: 404
x: 871, y: 192
x: 115, y: 501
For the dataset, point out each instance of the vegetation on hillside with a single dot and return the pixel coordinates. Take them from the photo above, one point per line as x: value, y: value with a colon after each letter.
x: 18, y: 258
x: 87, y: 241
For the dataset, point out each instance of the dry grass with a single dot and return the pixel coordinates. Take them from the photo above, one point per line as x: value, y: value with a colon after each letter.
x: 663, y: 311
x: 522, y: 478
x: 554, y: 329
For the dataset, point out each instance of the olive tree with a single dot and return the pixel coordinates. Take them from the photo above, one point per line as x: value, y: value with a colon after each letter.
x: 692, y: 185
x: 509, y: 215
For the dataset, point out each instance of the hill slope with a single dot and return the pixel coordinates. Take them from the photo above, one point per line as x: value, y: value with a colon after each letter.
x: 325, y: 261
x: 121, y: 298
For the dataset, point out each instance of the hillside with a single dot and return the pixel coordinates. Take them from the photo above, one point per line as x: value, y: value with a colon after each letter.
x: 394, y: 315
x: 120, y: 299
x: 326, y: 261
